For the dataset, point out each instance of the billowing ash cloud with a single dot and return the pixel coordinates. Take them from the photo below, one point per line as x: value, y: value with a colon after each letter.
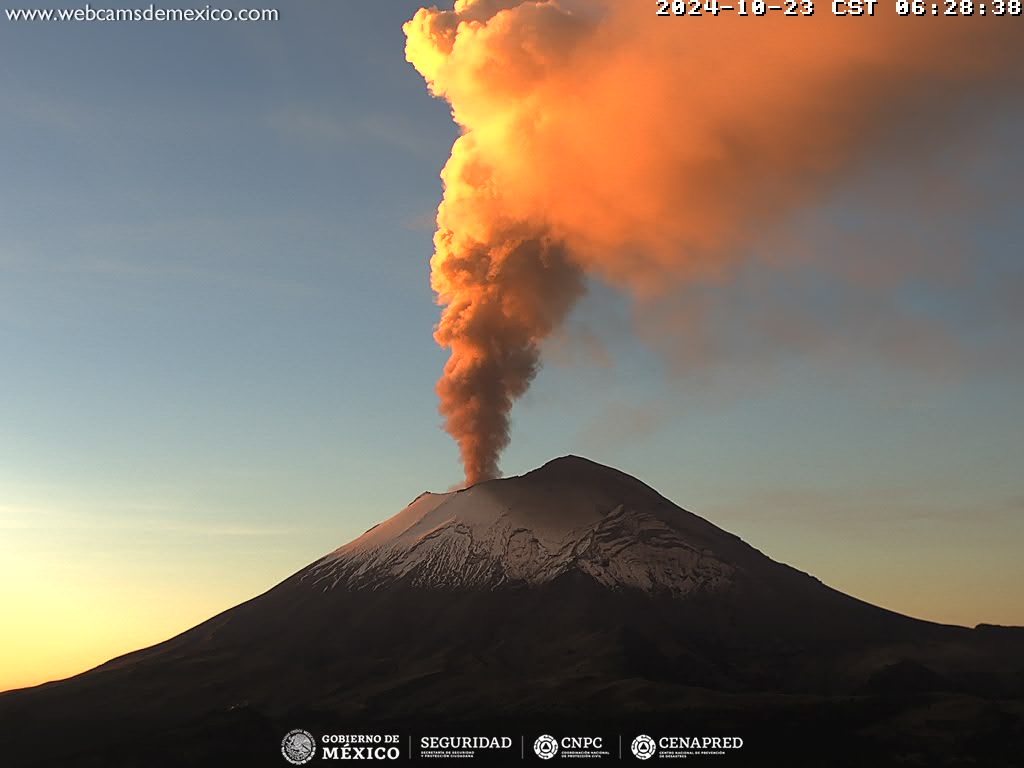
x: 600, y: 139
x: 501, y: 297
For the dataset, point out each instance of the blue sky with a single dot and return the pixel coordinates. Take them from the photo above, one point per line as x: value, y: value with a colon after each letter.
x: 216, y: 324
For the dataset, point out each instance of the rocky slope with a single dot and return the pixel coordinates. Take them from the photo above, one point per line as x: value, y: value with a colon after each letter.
x: 531, y: 530
x: 572, y: 594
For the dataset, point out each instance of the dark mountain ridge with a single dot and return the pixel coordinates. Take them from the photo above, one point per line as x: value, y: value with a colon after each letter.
x: 574, y: 591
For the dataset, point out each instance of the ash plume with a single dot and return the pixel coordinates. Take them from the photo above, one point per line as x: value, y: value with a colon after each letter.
x: 601, y: 140
x: 501, y: 299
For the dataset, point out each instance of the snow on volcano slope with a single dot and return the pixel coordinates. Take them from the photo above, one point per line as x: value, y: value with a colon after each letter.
x: 569, y: 514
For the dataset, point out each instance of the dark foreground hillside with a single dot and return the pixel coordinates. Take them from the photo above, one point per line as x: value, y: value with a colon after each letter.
x: 483, y: 611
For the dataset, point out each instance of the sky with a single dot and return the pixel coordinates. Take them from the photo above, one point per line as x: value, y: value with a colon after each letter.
x: 216, y: 319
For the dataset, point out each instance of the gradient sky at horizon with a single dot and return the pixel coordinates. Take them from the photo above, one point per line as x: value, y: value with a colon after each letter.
x: 216, y: 320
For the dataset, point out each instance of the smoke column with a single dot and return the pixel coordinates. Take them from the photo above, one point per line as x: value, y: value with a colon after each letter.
x: 502, y: 296
x: 599, y: 139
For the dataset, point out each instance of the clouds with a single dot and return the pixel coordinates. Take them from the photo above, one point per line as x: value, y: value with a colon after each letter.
x: 658, y: 153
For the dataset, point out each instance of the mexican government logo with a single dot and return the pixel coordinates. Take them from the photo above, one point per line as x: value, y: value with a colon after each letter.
x: 546, y: 747
x: 644, y: 747
x: 298, y: 746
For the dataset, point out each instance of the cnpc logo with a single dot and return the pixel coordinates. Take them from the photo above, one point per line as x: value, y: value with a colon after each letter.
x: 545, y: 747
x: 548, y: 746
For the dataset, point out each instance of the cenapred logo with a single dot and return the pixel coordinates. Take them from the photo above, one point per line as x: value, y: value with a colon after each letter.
x: 298, y: 746
x: 644, y: 747
x: 546, y: 747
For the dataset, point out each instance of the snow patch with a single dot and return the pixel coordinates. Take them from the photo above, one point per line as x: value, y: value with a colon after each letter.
x: 517, y: 532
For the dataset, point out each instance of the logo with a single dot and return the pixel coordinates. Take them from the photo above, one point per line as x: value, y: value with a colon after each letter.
x: 465, y: 747
x: 360, y: 746
x: 546, y: 747
x: 687, y: 746
x: 644, y: 747
x: 298, y: 747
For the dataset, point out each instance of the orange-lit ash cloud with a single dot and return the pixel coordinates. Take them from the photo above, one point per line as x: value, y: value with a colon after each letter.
x: 600, y: 139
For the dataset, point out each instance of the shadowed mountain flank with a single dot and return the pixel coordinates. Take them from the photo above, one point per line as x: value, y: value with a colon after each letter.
x: 573, y: 591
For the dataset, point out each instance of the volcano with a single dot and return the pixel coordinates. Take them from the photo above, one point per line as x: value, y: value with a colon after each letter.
x: 571, y: 594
